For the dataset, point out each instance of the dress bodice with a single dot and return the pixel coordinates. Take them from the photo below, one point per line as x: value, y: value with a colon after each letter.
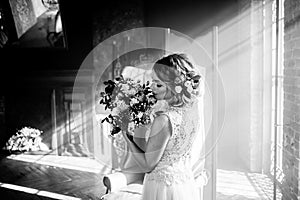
x: 174, y: 165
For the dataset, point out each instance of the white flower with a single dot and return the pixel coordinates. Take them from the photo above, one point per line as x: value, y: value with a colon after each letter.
x: 140, y: 115
x: 120, y: 96
x: 115, y: 111
x: 178, y: 89
x: 177, y: 80
x: 131, y: 127
x: 121, y: 105
x: 190, y: 89
x: 133, y: 101
x: 187, y: 84
x: 125, y: 88
x: 131, y: 92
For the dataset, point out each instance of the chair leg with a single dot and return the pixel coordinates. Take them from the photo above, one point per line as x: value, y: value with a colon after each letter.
x: 103, y: 196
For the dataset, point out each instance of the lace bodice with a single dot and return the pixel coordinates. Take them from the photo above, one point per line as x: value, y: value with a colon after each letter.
x: 174, y: 166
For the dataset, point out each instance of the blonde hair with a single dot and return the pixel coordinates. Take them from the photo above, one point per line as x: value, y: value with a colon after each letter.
x: 181, y: 77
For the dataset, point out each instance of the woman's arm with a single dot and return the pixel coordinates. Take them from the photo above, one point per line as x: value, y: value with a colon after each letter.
x: 140, y: 136
x: 157, y: 142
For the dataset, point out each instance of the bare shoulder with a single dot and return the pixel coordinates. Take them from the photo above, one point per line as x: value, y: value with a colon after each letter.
x: 160, y: 123
x: 161, y: 119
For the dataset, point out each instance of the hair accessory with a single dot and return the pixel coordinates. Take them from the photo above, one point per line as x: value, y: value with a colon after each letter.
x: 189, y: 86
x: 178, y: 88
x: 177, y: 80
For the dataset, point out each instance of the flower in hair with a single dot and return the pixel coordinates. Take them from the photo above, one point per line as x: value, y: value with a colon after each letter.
x: 178, y: 89
x: 177, y: 80
x: 189, y: 86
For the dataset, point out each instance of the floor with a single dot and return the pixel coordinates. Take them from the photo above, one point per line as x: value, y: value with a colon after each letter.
x: 50, y: 177
x: 66, y: 177
x: 235, y: 182
x: 240, y: 185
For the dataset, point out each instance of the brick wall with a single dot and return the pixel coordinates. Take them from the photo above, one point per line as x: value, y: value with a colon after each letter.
x: 291, y: 116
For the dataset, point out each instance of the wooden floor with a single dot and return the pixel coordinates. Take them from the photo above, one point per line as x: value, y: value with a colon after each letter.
x: 25, y: 177
x: 40, y: 181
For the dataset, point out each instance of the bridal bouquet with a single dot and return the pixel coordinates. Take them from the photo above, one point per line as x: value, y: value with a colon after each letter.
x: 130, y: 103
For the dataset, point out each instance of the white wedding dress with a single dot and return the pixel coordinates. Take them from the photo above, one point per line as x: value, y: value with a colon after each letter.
x: 172, y: 178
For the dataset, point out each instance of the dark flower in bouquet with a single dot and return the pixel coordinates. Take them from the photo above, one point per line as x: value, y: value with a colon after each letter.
x: 129, y: 102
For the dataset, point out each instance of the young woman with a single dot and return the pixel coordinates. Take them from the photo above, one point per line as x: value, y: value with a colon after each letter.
x: 166, y: 158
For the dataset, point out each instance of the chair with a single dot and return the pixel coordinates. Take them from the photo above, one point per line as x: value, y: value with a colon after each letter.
x: 121, y: 185
x: 55, y: 37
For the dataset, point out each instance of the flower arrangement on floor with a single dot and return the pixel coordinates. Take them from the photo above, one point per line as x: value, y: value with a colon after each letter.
x: 130, y: 103
x: 26, y: 139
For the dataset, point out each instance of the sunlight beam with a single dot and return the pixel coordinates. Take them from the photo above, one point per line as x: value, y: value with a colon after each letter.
x: 67, y: 162
x: 37, y: 192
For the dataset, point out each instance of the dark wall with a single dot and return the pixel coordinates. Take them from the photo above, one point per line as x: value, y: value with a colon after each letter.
x: 189, y: 17
x: 86, y: 24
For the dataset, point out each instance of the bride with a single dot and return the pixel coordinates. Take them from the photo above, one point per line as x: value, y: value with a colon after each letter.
x: 166, y: 158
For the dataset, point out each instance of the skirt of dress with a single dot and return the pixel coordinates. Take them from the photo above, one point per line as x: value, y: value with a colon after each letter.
x: 154, y: 190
